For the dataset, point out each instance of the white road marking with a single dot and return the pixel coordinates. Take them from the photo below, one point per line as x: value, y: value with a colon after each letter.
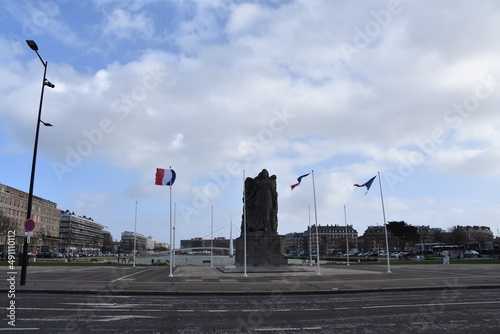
x: 129, y: 275
x: 285, y: 329
x: 107, y: 305
x: 124, y: 317
x: 134, y: 307
x: 19, y: 329
x: 431, y: 304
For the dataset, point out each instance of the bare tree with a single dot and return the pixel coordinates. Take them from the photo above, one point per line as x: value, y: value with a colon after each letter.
x: 6, y: 224
x: 441, y: 237
x: 457, y: 236
x: 483, y: 239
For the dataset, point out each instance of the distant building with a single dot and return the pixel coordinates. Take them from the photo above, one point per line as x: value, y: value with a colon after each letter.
x: 161, y: 246
x: 478, y: 237
x: 332, y: 238
x: 429, y: 234
x: 295, y: 243
x: 128, y: 240
x: 14, y: 204
x: 150, y: 243
x: 107, y: 241
x: 204, y: 245
x: 374, y: 239
x: 80, y: 234
x: 116, y: 246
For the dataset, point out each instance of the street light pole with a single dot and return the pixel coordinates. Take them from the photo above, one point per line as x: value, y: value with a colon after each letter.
x: 45, y: 82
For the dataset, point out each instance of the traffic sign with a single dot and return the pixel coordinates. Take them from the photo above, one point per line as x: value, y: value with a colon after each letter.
x: 29, y: 225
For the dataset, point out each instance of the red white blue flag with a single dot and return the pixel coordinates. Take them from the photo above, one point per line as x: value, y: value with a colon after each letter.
x: 299, y: 179
x: 164, y: 177
x: 367, y: 184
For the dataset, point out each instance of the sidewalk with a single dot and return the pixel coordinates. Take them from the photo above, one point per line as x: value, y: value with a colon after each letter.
x: 200, y: 280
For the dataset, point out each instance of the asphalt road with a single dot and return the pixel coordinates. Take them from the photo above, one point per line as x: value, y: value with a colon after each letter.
x: 427, y: 311
x: 196, y: 280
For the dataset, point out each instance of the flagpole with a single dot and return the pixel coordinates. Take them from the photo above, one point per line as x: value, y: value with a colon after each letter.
x: 310, y: 238
x: 346, y: 237
x: 171, y: 258
x: 135, y: 231
x: 212, y: 238
x: 244, y: 229
x: 318, y: 272
x: 231, y: 252
x: 385, y: 225
x: 173, y: 247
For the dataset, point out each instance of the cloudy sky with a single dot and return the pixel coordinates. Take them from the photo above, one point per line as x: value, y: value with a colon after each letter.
x: 219, y: 88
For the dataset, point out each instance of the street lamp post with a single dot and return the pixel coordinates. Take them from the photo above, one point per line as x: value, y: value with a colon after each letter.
x: 45, y: 82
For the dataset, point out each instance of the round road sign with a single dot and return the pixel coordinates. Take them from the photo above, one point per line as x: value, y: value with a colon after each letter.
x: 29, y: 225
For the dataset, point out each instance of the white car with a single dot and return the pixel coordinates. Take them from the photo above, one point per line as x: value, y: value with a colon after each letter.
x: 471, y: 253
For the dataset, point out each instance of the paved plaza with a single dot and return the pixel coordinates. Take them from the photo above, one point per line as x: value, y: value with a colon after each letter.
x: 204, y: 279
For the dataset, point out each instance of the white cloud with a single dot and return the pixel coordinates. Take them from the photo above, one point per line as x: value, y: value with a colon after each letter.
x: 267, y: 86
x: 128, y: 25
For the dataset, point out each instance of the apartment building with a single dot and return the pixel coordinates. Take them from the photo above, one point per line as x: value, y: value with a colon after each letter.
x: 129, y: 239
x: 14, y: 204
x: 80, y: 234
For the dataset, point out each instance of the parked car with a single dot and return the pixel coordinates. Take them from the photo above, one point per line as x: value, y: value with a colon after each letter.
x: 471, y: 253
x: 405, y: 255
x: 44, y: 255
x: 409, y: 254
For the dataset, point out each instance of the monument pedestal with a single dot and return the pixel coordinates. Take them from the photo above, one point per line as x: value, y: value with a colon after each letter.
x: 264, y: 248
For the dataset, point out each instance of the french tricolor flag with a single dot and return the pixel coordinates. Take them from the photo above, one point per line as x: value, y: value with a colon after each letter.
x: 165, y: 177
x: 299, y: 179
x: 367, y: 184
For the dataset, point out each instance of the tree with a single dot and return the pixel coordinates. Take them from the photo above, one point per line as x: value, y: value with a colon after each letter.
x: 323, y: 244
x: 406, y: 233
x: 457, y: 236
x: 441, y: 237
x: 6, y: 224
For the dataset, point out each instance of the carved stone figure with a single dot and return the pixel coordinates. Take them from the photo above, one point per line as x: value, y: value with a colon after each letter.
x: 263, y: 246
x: 261, y: 203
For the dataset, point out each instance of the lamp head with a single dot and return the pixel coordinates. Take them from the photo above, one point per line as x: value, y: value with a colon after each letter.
x: 48, y: 83
x: 32, y: 44
x: 45, y: 123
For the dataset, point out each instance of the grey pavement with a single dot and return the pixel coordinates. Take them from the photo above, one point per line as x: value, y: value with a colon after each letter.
x: 203, y: 279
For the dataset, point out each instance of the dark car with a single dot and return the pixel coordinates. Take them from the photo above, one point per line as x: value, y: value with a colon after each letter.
x: 45, y: 255
x: 406, y: 255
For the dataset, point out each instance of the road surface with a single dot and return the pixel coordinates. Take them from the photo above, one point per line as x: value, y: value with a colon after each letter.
x: 431, y: 311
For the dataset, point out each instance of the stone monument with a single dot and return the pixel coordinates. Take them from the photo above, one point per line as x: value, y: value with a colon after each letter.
x: 264, y: 247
